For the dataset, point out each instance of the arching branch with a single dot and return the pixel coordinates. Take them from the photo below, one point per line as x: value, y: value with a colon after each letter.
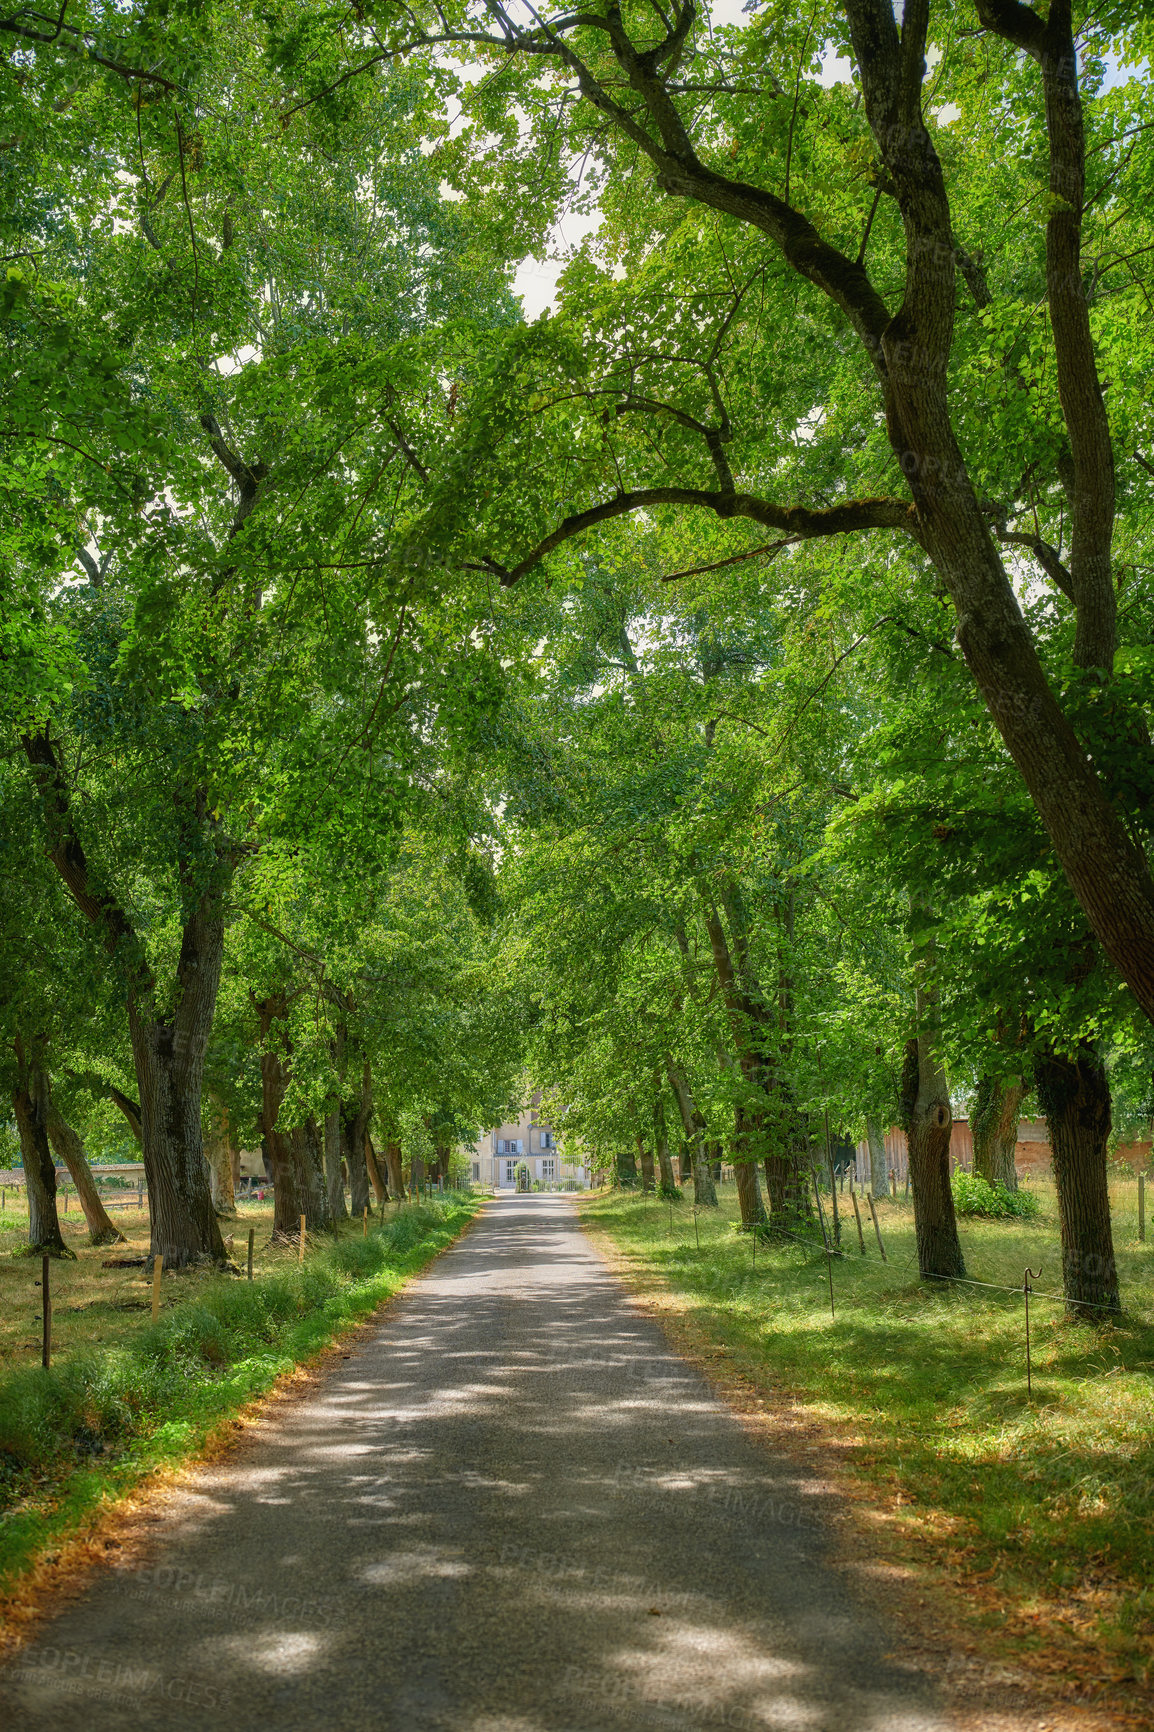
x: 798, y: 522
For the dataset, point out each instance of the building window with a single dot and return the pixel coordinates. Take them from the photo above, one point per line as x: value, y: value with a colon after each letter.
x: 548, y: 1169
x: 510, y: 1172
x: 476, y: 1172
x: 546, y: 1139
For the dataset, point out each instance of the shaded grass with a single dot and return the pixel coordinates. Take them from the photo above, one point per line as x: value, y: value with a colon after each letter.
x: 1043, y: 1509
x: 141, y: 1396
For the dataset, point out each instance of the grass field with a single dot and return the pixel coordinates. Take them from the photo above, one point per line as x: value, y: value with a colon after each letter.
x: 125, y: 1396
x: 1042, y: 1510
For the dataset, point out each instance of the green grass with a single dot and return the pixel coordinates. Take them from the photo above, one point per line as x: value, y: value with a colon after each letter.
x: 1044, y: 1508
x: 105, y: 1415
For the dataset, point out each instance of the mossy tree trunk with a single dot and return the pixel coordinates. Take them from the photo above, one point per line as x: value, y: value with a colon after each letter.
x: 929, y: 1119
x: 994, y: 1126
x: 1075, y: 1097
x: 667, y: 1184
x: 355, y: 1115
x: 334, y: 1172
x: 625, y: 1169
x: 745, y: 1136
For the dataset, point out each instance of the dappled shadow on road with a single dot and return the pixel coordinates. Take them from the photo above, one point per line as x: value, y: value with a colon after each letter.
x: 514, y: 1510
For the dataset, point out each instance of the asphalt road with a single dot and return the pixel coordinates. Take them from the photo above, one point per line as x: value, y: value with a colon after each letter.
x: 513, y: 1509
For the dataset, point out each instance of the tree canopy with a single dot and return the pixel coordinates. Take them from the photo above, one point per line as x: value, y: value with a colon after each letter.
x: 723, y: 701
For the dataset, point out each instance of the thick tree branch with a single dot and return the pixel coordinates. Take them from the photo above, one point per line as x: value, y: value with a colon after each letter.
x: 799, y: 522
x: 1089, y: 476
x: 1047, y: 557
x: 65, y: 849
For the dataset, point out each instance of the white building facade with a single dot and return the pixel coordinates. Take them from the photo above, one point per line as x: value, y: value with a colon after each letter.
x: 530, y: 1142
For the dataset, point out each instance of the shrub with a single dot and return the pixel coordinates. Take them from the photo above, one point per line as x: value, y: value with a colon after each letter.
x: 976, y: 1196
x: 360, y: 1257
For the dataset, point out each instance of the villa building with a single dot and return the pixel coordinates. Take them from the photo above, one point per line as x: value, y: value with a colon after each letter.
x: 527, y: 1141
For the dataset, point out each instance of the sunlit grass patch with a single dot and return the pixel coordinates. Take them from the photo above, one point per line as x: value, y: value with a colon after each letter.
x: 1043, y: 1509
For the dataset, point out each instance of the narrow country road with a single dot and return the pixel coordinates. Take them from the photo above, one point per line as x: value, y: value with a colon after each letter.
x: 513, y: 1509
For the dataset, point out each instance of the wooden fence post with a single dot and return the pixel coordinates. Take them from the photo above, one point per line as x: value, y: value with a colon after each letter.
x: 46, y: 1295
x: 251, y: 1235
x: 877, y: 1229
x: 1142, y: 1207
x: 157, y: 1269
x: 857, y: 1218
x: 301, y: 1250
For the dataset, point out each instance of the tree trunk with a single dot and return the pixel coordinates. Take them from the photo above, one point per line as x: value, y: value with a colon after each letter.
x: 929, y: 1122
x: 684, y: 1161
x: 879, y: 1171
x: 395, y: 1168
x: 1075, y: 1096
x: 994, y: 1125
x: 927, y: 1115
x: 334, y: 1176
x: 102, y: 1230
x: 749, y: 1201
x: 168, y: 1052
x: 219, y: 1154
x: 693, y: 1124
x: 626, y: 1165
x: 1104, y: 866
x: 380, y: 1188
x: 780, y: 1176
x: 753, y: 1215
x: 288, y: 1203
x: 668, y: 1184
x: 645, y: 1155
x: 766, y: 1129
x: 354, y: 1124
x: 30, y: 1103
x: 308, y: 1158
x: 169, y: 1058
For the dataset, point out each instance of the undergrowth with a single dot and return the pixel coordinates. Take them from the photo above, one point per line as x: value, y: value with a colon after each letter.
x: 974, y: 1195
x: 99, y: 1419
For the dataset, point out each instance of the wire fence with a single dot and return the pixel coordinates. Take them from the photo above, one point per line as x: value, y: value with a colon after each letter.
x: 833, y: 1252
